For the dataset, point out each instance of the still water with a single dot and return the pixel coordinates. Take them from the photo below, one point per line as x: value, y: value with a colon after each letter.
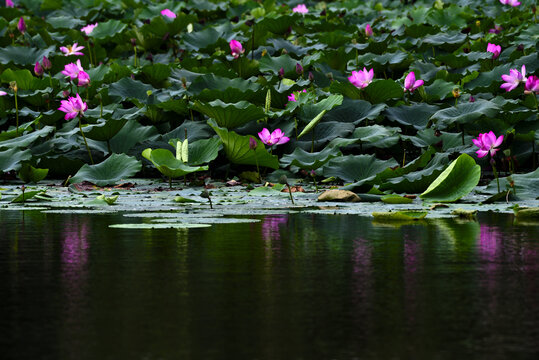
x: 298, y: 286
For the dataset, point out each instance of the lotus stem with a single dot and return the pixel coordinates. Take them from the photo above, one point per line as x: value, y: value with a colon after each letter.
x: 492, y: 162
x: 290, y: 193
x: 85, y: 142
x: 89, y: 52
x: 170, y: 182
x: 16, y: 113
x: 135, y: 60
x: 257, y: 168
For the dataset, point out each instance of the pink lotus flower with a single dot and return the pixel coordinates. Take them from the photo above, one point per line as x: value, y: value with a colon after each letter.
x: 72, y: 70
x: 38, y: 70
x: 236, y: 49
x: 3, y: 93
x: 73, y: 106
x: 532, y: 85
x: 9, y: 3
x: 496, y: 30
x: 168, y: 14
x: 494, y: 49
x: 21, y: 25
x: 292, y: 97
x: 46, y: 63
x: 83, y: 79
x: 410, y: 83
x: 510, y: 2
x: 275, y: 138
x: 368, y: 30
x: 72, y: 49
x: 301, y: 8
x: 88, y: 29
x: 513, y: 79
x: 487, y: 143
x: 361, y: 78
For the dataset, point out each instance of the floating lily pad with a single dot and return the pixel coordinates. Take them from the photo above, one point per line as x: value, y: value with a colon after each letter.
x: 115, y: 168
x: 159, y: 226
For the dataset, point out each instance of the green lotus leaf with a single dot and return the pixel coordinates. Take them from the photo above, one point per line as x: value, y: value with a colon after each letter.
x: 360, y: 168
x: 415, y: 115
x: 417, y: 181
x: 439, y: 89
x: 274, y: 64
x: 324, y: 132
x: 354, y: 111
x: 27, y: 195
x: 526, y: 185
x: 345, y: 88
x: 131, y: 134
x: 24, y: 78
x: 104, y: 129
x: 277, y: 24
x: 194, y: 130
x: 404, y: 215
x: 380, y: 61
x: 489, y: 80
x: 168, y: 165
x: 209, y: 87
x: 108, y: 29
x: 230, y: 115
x: 458, y: 180
x: 310, y: 111
x: 377, y: 136
x: 238, y: 151
x: 419, y: 162
x: 110, y: 171
x: 27, y: 139
x: 179, y: 106
x: 382, y: 90
x: 310, y: 161
x: 12, y: 159
x: 64, y: 22
x: 396, y: 199
x: 201, y: 39
x: 450, y: 40
x: 156, y: 74
x: 465, y: 113
x: 28, y: 173
x: 23, y: 55
x: 201, y: 151
x: 128, y: 88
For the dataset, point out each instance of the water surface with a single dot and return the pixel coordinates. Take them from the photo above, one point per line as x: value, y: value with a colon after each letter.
x: 298, y: 286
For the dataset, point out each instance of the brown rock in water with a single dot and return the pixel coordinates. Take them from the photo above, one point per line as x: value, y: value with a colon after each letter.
x: 339, y: 195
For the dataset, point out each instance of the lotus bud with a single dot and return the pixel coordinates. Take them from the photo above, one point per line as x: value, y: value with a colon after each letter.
x: 492, y: 162
x: 311, y: 76
x: 456, y: 92
x: 21, y: 25
x: 283, y: 180
x: 13, y: 86
x: 520, y: 47
x: 133, y: 42
x: 46, y: 63
x: 472, y: 99
x: 38, y: 70
x: 184, y: 82
x: 65, y: 93
x: 368, y: 30
x: 299, y: 69
x: 281, y: 73
x: 252, y: 143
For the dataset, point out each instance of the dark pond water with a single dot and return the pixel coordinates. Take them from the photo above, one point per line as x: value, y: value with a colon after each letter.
x: 296, y: 286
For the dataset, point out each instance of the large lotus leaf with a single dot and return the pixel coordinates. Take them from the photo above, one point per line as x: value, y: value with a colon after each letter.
x: 201, y: 39
x: 194, y: 130
x: 417, y: 181
x: 439, y: 89
x: 28, y: 174
x: 458, y: 180
x: 345, y: 88
x: 209, y: 87
x: 238, y: 151
x: 131, y: 134
x: 26, y: 140
x: 354, y: 111
x: 274, y: 64
x: 279, y: 44
x: 179, y: 106
x: 12, y: 159
x: 230, y: 115
x: 360, y: 168
x: 23, y: 55
x: 449, y: 40
x: 489, y: 79
x: 24, y: 78
x: 104, y: 129
x: 128, y: 88
x: 64, y: 22
x: 369, y: 59
x: 201, y: 151
x: 277, y: 24
x: 465, y: 113
x: 97, y: 74
x: 526, y: 185
x: 168, y: 165
x: 416, y: 115
x: 156, y: 74
x: 107, y: 29
x: 310, y: 161
x: 382, y: 90
x: 377, y: 136
x: 310, y: 111
x: 110, y: 171
x: 419, y: 162
x: 324, y: 132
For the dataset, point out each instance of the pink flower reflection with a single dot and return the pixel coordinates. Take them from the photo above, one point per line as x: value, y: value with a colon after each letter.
x: 75, y: 246
x: 271, y: 226
x: 490, y: 243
